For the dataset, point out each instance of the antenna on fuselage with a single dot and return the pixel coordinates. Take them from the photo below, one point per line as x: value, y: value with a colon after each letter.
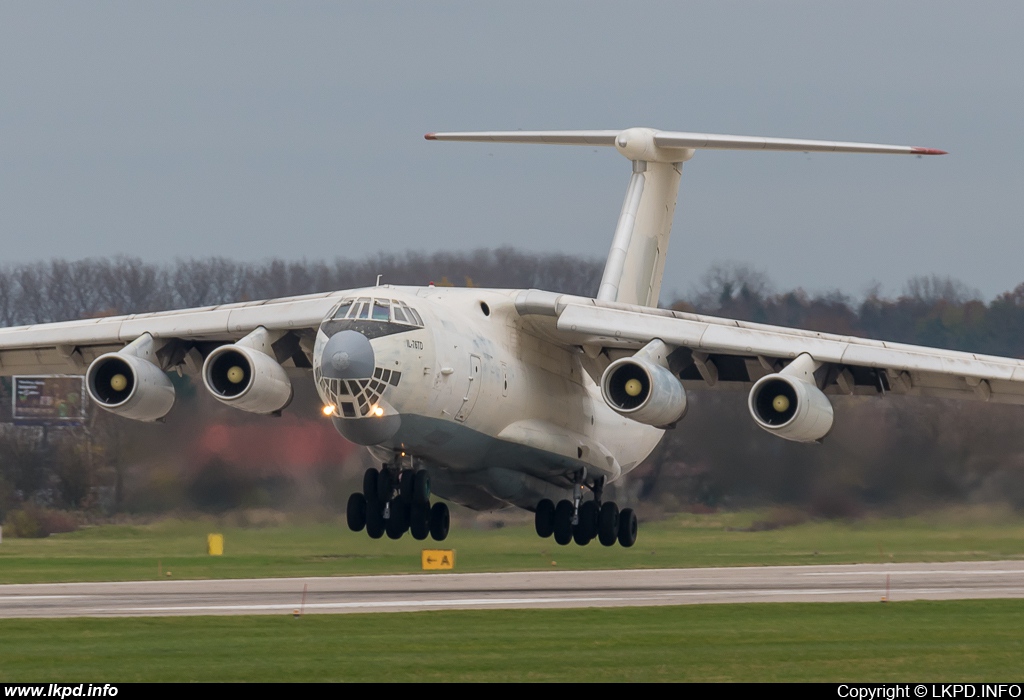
x: 378, y: 280
x: 636, y: 261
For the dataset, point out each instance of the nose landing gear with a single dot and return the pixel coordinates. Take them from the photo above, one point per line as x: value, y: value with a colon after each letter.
x: 395, y: 502
x: 582, y: 521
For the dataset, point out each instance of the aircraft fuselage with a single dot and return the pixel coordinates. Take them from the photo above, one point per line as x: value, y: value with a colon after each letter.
x: 456, y: 381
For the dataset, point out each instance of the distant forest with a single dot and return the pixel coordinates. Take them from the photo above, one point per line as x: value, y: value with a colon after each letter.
x: 892, y: 453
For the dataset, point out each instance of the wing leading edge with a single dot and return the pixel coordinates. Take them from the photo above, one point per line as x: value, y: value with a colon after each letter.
x: 722, y: 353
x: 69, y: 346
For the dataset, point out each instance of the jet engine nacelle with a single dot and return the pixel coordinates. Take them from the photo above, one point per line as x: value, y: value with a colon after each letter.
x: 643, y: 391
x: 247, y: 379
x: 129, y: 386
x: 791, y: 408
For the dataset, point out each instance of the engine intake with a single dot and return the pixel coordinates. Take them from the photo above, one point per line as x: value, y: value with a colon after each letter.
x: 788, y: 405
x: 643, y: 391
x: 247, y: 379
x: 129, y: 386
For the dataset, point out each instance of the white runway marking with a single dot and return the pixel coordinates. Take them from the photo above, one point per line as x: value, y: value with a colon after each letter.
x: 526, y: 589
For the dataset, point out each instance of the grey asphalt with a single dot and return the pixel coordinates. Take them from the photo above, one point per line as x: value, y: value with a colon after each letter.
x: 543, y: 589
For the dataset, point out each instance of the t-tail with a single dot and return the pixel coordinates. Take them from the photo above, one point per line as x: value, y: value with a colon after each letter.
x: 636, y: 262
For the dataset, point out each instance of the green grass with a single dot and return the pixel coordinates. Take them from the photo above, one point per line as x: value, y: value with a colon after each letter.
x: 934, y: 641
x: 121, y: 552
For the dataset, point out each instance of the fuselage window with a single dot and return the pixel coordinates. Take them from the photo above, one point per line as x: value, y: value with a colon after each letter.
x: 381, y: 312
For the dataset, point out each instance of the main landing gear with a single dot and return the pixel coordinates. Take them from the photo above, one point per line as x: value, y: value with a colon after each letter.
x: 582, y: 521
x: 396, y: 502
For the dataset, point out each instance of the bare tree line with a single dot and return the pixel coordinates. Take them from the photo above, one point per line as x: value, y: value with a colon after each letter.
x: 61, y: 290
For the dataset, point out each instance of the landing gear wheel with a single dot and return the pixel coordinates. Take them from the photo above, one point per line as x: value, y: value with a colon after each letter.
x: 355, y: 513
x: 586, y: 528
x: 421, y: 487
x: 419, y: 520
x: 544, y: 518
x: 374, y: 521
x: 384, y: 486
x: 405, y: 486
x: 608, y: 524
x: 398, y: 523
x: 370, y: 484
x: 627, y: 527
x: 563, y: 522
x: 440, y: 521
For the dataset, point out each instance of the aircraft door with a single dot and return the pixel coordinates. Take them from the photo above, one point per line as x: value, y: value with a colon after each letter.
x: 472, y: 388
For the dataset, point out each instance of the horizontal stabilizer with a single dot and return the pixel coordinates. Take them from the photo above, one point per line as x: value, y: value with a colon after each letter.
x: 678, y: 140
x: 636, y: 261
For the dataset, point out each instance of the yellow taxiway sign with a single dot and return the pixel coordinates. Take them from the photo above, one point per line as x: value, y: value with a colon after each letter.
x: 438, y: 559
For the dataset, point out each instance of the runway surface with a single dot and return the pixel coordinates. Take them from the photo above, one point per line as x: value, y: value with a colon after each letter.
x: 544, y: 589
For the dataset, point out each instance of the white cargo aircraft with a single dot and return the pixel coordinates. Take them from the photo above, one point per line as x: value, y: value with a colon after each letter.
x: 494, y: 397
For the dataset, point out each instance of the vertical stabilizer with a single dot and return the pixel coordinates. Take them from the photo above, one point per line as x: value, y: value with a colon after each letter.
x: 636, y: 261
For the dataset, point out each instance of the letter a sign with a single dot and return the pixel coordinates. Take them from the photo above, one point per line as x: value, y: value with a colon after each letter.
x: 438, y: 559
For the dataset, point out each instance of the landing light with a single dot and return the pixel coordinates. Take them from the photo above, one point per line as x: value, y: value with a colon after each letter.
x: 377, y: 411
x: 329, y: 410
x: 780, y: 403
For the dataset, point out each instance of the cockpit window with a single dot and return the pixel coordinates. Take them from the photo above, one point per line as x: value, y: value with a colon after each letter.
x: 343, y: 308
x: 387, y: 310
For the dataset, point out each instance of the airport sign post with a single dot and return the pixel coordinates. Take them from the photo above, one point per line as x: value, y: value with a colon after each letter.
x: 49, y: 400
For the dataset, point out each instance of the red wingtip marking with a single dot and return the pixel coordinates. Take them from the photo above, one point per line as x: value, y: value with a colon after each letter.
x: 430, y: 137
x: 928, y: 151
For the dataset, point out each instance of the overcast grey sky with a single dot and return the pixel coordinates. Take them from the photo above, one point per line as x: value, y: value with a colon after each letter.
x: 257, y: 129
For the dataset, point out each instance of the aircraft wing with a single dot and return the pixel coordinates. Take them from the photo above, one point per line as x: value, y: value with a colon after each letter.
x: 70, y: 346
x: 723, y: 353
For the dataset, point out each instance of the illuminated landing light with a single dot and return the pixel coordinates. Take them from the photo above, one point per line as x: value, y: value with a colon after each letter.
x: 377, y: 411
x: 780, y: 403
x: 329, y: 410
x: 236, y: 374
x: 634, y: 387
x: 119, y: 382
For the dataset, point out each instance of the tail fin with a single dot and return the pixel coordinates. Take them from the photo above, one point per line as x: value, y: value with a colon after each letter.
x: 636, y: 262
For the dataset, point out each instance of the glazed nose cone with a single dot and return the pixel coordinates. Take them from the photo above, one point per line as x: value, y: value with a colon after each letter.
x: 347, y: 355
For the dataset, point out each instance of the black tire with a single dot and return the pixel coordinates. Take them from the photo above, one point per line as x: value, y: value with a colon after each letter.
x: 544, y: 518
x: 440, y: 521
x: 405, y: 486
x: 608, y: 524
x: 586, y: 528
x: 421, y: 487
x: 355, y: 512
x: 563, y: 522
x: 370, y: 484
x: 384, y: 486
x: 374, y: 521
x: 419, y: 520
x: 398, y: 523
x: 627, y: 527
